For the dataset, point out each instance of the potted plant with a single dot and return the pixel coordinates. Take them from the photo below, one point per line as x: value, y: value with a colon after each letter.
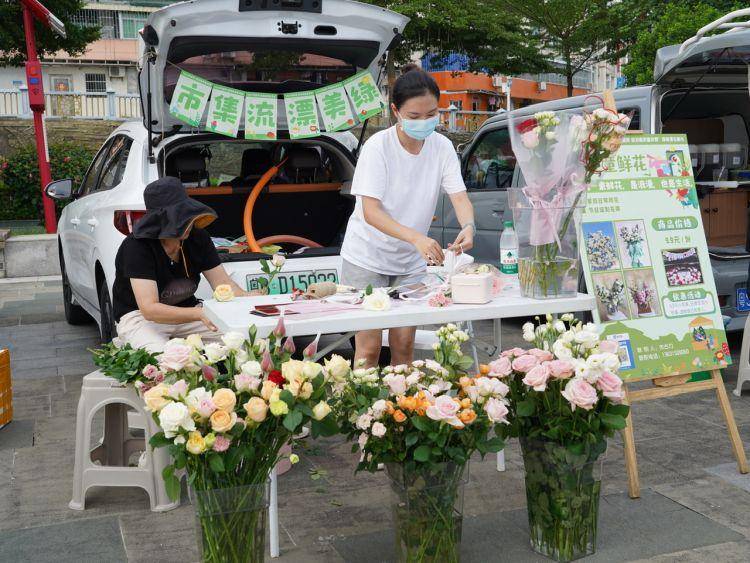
x: 565, y: 402
x: 423, y: 422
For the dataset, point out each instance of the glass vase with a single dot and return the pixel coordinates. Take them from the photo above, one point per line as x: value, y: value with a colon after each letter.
x: 428, y: 512
x: 231, y: 523
x: 548, y: 263
x: 562, y: 496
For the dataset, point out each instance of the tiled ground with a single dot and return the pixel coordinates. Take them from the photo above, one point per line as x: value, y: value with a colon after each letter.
x: 694, y: 506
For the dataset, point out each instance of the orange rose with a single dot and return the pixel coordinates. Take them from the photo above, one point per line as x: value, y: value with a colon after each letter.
x: 484, y: 369
x: 464, y: 381
x: 389, y: 407
x: 407, y: 403
x: 466, y: 403
x: 399, y: 416
x: 467, y: 416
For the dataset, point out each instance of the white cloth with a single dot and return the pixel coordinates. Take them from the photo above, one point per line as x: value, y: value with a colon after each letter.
x: 408, y: 187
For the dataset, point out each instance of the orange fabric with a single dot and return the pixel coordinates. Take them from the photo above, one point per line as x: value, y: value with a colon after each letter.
x: 6, y: 392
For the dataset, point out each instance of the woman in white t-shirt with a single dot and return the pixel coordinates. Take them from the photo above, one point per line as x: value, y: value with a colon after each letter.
x: 399, y: 176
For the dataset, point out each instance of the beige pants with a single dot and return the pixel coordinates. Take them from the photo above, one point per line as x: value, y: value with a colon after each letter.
x: 135, y: 330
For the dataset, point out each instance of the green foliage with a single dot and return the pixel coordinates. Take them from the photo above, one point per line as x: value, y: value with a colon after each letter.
x: 20, y: 187
x: 12, y: 42
x: 123, y: 364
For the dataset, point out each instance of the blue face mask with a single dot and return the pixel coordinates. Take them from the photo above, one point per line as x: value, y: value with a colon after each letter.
x: 419, y: 129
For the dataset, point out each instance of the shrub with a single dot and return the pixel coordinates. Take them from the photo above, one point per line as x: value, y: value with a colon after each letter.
x: 20, y: 188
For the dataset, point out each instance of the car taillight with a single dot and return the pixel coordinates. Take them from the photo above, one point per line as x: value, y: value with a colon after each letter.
x: 723, y: 300
x: 124, y: 220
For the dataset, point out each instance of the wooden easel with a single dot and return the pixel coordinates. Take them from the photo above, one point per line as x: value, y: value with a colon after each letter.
x: 669, y: 387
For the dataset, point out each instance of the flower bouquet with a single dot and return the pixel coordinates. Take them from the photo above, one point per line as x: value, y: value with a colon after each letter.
x: 565, y: 402
x: 423, y: 422
x: 633, y: 239
x: 643, y: 295
x: 600, y: 249
x: 558, y: 155
x: 226, y: 409
x: 612, y: 298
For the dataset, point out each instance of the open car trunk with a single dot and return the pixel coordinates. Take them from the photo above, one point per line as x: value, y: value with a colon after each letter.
x: 308, y: 198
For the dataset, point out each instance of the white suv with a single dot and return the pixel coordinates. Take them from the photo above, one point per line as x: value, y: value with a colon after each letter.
x: 296, y: 45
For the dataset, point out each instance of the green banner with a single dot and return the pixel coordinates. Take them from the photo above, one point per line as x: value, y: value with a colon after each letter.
x: 302, y: 115
x: 190, y: 98
x: 335, y: 108
x: 646, y: 261
x: 261, y: 116
x: 225, y: 111
x: 364, y: 94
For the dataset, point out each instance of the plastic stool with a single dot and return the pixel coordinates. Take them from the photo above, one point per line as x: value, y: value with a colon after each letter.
x: 117, y: 444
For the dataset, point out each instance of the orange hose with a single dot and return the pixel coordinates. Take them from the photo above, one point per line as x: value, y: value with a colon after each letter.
x: 247, y: 217
x: 292, y: 239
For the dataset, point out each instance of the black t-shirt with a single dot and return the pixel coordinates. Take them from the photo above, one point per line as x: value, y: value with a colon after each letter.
x: 146, y: 259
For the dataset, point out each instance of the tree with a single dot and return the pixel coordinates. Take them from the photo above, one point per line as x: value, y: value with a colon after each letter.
x: 13, y: 43
x: 579, y: 32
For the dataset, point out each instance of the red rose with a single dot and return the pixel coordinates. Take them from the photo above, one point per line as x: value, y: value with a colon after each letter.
x: 526, y: 125
x: 276, y: 377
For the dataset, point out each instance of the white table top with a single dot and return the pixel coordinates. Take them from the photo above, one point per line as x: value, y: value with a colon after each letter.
x: 235, y: 315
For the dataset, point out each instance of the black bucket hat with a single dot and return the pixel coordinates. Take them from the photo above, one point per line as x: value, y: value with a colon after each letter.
x: 170, y: 211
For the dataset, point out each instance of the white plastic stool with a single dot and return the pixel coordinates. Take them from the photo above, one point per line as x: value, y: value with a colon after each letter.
x: 743, y: 374
x: 117, y: 445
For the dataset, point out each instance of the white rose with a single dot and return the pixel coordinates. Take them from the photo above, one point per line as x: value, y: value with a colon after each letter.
x: 179, y: 440
x: 173, y: 417
x: 567, y: 317
x: 251, y: 368
x: 561, y: 350
x: 529, y: 336
x: 376, y: 301
x: 195, y: 341
x: 412, y: 379
x: 240, y: 356
x: 364, y: 421
x: 278, y: 260
x: 233, y: 340
x: 310, y: 369
x: 378, y: 429
x: 528, y: 327
x: 215, y: 352
x: 559, y: 326
x: 378, y: 408
x: 337, y: 367
x: 197, y: 395
x: 321, y: 410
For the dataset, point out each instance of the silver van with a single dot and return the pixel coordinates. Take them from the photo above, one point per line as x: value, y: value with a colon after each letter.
x: 701, y: 89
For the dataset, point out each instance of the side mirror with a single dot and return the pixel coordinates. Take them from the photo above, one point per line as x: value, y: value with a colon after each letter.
x: 60, y: 189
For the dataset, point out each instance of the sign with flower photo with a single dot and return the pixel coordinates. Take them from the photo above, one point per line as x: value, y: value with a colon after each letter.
x: 302, y: 115
x: 646, y: 261
x: 365, y: 95
x: 225, y: 111
x: 190, y: 98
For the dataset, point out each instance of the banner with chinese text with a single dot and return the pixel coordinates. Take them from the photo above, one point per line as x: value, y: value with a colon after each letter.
x: 261, y: 116
x: 225, y: 110
x: 646, y: 261
x: 190, y: 98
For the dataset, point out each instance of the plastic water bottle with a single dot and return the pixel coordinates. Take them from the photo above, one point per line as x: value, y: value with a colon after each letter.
x: 509, y: 254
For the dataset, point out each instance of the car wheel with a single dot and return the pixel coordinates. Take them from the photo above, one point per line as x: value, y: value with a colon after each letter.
x: 74, y: 314
x: 107, y: 324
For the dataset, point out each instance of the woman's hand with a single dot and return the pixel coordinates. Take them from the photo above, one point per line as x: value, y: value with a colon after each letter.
x: 205, y: 320
x: 464, y: 241
x: 430, y: 250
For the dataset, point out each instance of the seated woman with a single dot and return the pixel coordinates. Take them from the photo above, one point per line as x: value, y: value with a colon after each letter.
x: 158, y: 267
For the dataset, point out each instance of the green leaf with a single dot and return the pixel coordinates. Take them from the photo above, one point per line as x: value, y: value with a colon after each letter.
x: 264, y: 266
x: 494, y: 445
x: 368, y: 289
x: 621, y: 410
x: 614, y: 421
x: 326, y: 427
x: 525, y: 408
x: 287, y: 397
x: 159, y: 440
x: 422, y: 453
x: 216, y: 463
x: 464, y: 363
x: 411, y: 439
x: 172, y: 486
x: 420, y: 424
x: 292, y: 420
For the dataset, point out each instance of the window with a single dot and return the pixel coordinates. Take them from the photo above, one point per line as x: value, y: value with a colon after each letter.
x: 491, y: 163
x: 115, y: 162
x: 60, y: 83
x: 131, y: 23
x: 103, y: 19
x: 96, y: 83
x: 92, y: 174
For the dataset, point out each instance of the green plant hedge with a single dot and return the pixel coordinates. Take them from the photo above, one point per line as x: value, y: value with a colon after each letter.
x: 20, y: 188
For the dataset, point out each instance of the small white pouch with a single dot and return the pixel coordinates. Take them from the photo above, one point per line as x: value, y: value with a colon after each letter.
x: 471, y: 288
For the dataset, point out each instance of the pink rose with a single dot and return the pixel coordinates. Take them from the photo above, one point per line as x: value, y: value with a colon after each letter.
x: 245, y: 382
x: 221, y: 444
x: 525, y: 363
x: 178, y: 389
x: 541, y: 355
x: 206, y: 408
x: 580, y: 393
x: 496, y: 410
x: 609, y: 346
x: 445, y: 409
x: 501, y: 367
x: 537, y: 377
x: 513, y: 352
x: 150, y: 371
x: 175, y: 357
x: 611, y: 387
x: 561, y: 369
x: 396, y: 383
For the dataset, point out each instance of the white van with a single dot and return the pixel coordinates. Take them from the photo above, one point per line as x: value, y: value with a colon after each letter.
x: 701, y: 89
x: 276, y: 46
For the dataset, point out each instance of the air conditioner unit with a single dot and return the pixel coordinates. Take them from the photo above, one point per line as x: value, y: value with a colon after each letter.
x: 116, y: 72
x: 542, y: 86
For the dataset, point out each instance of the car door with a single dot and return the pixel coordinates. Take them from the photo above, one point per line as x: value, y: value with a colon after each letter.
x: 72, y: 230
x: 112, y: 170
x: 488, y: 166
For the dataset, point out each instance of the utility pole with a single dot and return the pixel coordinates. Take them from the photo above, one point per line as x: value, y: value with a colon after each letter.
x: 32, y: 10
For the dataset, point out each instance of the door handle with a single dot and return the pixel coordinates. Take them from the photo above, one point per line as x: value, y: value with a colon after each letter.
x: 715, y: 210
x: 75, y: 221
x: 93, y: 222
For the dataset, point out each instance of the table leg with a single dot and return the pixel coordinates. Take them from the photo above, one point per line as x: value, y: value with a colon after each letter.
x: 273, y: 515
x: 498, y: 330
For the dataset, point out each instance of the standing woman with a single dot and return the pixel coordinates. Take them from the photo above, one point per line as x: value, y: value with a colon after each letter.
x: 398, y: 179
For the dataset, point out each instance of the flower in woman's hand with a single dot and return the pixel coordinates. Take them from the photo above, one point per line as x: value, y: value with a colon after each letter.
x: 580, y: 393
x: 223, y: 292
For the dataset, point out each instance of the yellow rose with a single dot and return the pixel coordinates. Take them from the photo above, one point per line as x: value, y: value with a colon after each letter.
x: 195, y: 444
x: 223, y: 292
x: 275, y: 394
x: 306, y: 390
x: 222, y: 421
x: 311, y: 369
x: 257, y: 409
x: 292, y: 370
x: 195, y: 341
x: 279, y: 408
x: 337, y: 367
x: 321, y: 410
x: 224, y: 399
x: 294, y: 387
x: 267, y: 389
x: 155, y: 398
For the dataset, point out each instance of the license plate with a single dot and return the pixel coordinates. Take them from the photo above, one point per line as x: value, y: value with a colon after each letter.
x: 289, y: 281
x: 743, y: 301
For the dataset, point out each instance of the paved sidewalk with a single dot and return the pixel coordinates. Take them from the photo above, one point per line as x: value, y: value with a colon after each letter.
x: 695, y: 507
